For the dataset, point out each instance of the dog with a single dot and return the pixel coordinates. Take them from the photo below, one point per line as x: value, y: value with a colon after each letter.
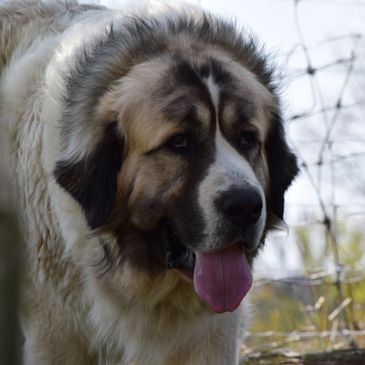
x: 149, y: 158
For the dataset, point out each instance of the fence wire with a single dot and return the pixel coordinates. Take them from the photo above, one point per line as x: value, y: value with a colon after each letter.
x: 328, y: 137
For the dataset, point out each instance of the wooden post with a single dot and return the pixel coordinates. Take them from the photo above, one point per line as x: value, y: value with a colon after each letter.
x: 337, y: 357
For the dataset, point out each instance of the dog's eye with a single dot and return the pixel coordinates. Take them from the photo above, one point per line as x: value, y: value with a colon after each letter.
x: 179, y: 143
x: 247, y: 140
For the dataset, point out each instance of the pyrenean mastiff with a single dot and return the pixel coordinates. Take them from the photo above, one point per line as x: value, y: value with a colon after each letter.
x: 149, y: 161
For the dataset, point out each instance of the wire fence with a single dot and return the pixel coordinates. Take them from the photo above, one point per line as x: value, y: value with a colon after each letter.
x: 321, y: 306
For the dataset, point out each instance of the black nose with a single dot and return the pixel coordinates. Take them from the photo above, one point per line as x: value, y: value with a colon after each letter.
x: 241, y: 206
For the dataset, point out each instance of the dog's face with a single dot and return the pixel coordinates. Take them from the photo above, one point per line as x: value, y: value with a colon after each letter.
x: 187, y: 169
x: 194, y: 152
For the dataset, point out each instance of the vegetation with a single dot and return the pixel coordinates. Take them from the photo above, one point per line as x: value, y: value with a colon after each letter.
x: 318, y: 310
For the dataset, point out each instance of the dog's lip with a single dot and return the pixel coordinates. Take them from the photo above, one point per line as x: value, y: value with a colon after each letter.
x: 179, y: 256
x: 186, y: 274
x: 239, y: 243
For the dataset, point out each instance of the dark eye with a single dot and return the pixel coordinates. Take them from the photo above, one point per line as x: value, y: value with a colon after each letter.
x: 247, y: 140
x: 180, y: 143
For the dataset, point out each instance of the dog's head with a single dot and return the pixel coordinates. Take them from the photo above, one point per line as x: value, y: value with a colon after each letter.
x: 180, y: 155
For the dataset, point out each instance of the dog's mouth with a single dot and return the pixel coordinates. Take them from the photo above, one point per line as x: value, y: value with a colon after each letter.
x: 221, y: 278
x: 178, y: 255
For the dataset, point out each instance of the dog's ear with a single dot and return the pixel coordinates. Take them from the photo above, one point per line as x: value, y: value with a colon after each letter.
x: 282, y: 165
x: 92, y: 181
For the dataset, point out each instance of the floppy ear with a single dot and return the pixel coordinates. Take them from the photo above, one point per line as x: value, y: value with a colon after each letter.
x: 92, y: 181
x: 283, y: 166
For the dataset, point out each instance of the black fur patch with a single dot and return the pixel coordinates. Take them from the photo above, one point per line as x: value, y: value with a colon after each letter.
x: 283, y: 166
x: 204, y: 70
x: 93, y: 181
x: 185, y: 74
x: 220, y: 75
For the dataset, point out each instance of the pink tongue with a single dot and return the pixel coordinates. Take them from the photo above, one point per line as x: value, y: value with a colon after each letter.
x: 222, y: 278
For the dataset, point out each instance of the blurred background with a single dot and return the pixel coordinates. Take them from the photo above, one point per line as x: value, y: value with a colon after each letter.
x: 309, y: 292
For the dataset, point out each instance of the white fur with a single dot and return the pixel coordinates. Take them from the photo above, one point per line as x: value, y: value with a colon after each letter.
x: 214, y: 92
